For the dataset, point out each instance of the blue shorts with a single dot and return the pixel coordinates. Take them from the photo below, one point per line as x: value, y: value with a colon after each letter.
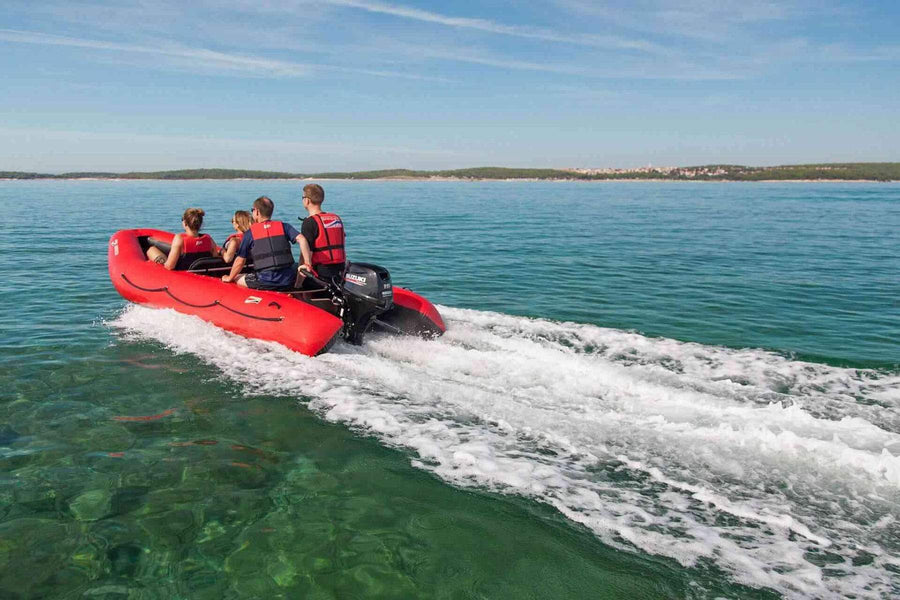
x: 253, y: 282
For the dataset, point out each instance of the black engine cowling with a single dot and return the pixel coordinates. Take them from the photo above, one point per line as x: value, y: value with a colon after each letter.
x: 367, y: 292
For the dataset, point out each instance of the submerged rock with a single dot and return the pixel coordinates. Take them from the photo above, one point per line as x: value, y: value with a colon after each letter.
x: 128, y: 498
x: 108, y: 592
x: 173, y: 529
x: 8, y: 435
x: 92, y: 505
x: 36, y: 556
x: 283, y: 571
x: 123, y: 559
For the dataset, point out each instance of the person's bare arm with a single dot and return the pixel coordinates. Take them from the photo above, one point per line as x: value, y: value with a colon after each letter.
x: 231, y: 248
x: 236, y: 269
x: 174, y: 252
x: 305, y: 252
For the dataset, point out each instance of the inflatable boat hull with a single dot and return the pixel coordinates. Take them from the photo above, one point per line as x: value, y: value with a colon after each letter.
x: 297, y: 323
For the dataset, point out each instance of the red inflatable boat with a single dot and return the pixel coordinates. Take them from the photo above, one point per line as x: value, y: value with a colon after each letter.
x: 305, y: 321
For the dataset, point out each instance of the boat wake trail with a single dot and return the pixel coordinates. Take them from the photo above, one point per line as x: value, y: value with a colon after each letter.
x: 786, y: 474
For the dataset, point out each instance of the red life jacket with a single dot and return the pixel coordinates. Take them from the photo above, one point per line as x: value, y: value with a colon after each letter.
x: 193, y: 248
x: 328, y: 247
x: 234, y: 236
x: 196, y: 245
x: 271, y: 248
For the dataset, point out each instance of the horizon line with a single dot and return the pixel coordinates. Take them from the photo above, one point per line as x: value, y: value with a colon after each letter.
x: 445, y: 170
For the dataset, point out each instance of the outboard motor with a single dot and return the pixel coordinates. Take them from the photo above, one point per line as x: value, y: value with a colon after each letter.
x: 367, y: 293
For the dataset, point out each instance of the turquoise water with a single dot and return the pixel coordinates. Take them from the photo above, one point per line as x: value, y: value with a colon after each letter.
x: 647, y: 390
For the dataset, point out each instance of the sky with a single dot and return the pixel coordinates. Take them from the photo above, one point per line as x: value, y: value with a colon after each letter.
x: 335, y: 85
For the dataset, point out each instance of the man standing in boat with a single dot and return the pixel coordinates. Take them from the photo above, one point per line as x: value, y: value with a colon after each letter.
x: 322, y: 239
x: 268, y: 244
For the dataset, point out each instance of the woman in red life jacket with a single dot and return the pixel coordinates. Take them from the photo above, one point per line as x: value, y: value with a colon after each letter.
x: 188, y: 246
x: 241, y: 223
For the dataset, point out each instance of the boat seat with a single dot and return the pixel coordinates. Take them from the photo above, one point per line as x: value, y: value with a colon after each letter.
x: 164, y: 246
x: 207, y: 263
x: 215, y: 266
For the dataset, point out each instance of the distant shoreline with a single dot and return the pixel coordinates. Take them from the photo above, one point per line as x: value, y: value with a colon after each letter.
x: 811, y: 173
x: 449, y: 179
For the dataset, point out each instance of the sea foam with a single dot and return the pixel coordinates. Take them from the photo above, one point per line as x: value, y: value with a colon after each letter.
x: 746, y: 459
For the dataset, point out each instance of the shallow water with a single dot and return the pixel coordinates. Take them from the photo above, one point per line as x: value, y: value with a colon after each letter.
x: 667, y: 390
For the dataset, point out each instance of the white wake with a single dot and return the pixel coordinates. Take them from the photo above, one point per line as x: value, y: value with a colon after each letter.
x: 786, y: 474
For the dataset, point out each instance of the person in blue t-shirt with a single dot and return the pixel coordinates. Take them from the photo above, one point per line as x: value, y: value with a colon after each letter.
x: 268, y: 244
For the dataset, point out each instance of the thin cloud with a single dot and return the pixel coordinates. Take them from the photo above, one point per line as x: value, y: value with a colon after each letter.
x: 700, y: 20
x: 841, y: 53
x: 684, y: 73
x: 537, y: 33
x: 628, y: 68
x: 500, y: 63
x: 201, y: 57
x: 248, y: 144
x: 49, y: 150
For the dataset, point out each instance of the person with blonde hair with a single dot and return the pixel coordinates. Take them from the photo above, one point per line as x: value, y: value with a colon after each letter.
x: 241, y: 223
x: 188, y: 246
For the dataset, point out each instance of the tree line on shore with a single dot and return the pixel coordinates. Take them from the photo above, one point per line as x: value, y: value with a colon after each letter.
x: 828, y: 171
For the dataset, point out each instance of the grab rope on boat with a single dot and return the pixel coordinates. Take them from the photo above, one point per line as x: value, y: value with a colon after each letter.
x: 210, y: 305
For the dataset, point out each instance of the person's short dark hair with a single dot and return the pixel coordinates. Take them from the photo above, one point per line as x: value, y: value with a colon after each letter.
x: 265, y: 206
x: 314, y: 192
